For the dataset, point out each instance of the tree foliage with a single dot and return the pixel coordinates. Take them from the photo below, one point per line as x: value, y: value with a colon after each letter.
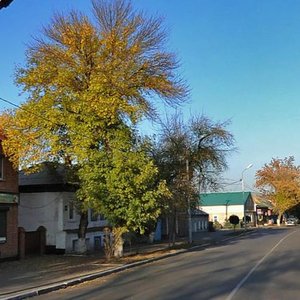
x: 210, y: 145
x: 205, y: 144
x: 190, y: 155
x: 126, y: 181
x: 86, y: 77
x: 279, y: 181
x: 88, y: 83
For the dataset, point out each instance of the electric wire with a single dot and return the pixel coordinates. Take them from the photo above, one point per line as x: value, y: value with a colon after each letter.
x: 37, y: 115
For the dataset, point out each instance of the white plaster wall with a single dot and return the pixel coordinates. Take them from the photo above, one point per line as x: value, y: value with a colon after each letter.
x: 220, y: 211
x: 51, y: 211
x: 72, y: 238
x: 40, y: 209
x: 73, y: 224
x: 60, y: 240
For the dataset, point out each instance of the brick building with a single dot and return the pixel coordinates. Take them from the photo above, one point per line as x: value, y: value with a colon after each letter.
x: 8, y: 208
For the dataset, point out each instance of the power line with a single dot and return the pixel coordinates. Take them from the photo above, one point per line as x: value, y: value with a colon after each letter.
x: 30, y: 112
x: 42, y: 118
x: 9, y: 102
x: 38, y: 115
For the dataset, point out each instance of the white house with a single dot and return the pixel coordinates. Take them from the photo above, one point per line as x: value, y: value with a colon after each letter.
x: 220, y: 206
x: 47, y: 200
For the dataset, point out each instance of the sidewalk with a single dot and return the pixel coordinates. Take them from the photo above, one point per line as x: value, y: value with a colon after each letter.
x: 35, y: 275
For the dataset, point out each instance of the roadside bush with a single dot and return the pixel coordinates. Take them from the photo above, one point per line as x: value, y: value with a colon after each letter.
x: 234, y: 220
x: 228, y: 225
x: 217, y: 225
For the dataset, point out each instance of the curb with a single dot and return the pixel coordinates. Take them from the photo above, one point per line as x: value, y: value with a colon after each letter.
x: 64, y: 284
x: 41, y: 290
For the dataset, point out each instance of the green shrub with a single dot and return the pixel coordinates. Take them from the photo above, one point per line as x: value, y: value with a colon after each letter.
x: 234, y: 220
x: 217, y: 225
x: 228, y: 225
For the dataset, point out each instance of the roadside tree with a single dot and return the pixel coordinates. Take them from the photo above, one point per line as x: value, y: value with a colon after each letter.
x: 279, y: 181
x: 88, y: 84
x: 191, y: 156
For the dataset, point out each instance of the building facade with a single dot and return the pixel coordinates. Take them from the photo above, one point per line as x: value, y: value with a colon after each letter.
x: 8, y: 207
x: 47, y: 200
x: 220, y: 206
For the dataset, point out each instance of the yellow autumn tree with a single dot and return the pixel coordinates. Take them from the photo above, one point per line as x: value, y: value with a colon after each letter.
x: 87, y: 80
x: 279, y: 181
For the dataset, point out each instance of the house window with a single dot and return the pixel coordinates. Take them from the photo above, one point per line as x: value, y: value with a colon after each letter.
x: 94, y: 216
x: 97, y: 243
x: 71, y: 211
x: 195, y: 227
x: 1, y: 167
x: 3, y: 225
x: 199, y: 225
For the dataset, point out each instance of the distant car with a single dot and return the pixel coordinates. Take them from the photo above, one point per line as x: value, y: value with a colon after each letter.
x: 291, y: 221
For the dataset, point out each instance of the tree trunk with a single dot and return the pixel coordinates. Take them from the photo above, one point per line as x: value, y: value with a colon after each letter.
x: 118, y: 249
x: 81, y: 245
x: 118, y: 241
x: 108, y: 243
x: 279, y: 218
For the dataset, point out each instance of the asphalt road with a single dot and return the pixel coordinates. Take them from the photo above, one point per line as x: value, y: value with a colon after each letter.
x: 262, y: 265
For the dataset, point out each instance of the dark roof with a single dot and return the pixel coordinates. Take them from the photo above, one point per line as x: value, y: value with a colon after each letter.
x: 199, y: 212
x: 48, y: 174
x: 50, y: 178
x: 225, y: 198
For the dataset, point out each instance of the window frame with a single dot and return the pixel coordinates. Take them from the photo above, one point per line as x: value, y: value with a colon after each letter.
x: 71, y: 211
x: 94, y: 216
x: 3, y: 231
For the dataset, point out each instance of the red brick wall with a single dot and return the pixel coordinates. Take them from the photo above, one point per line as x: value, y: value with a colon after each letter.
x: 9, y: 183
x: 10, y: 247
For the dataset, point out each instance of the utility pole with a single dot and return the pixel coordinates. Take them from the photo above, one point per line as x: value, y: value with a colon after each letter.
x: 189, y: 203
x: 243, y: 193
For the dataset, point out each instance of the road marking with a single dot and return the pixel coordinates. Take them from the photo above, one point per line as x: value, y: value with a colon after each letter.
x: 239, y: 285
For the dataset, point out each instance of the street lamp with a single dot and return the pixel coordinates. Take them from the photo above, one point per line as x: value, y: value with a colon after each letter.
x: 243, y: 191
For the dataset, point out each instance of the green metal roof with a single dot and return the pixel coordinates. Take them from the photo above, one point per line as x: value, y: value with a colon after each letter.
x: 230, y: 198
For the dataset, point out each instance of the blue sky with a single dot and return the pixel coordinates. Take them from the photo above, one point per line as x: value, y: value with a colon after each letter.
x: 241, y: 59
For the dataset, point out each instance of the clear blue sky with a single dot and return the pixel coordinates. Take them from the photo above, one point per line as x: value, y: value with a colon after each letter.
x: 241, y: 59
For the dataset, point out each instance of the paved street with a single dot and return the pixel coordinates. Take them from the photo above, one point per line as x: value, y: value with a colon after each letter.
x: 262, y: 265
